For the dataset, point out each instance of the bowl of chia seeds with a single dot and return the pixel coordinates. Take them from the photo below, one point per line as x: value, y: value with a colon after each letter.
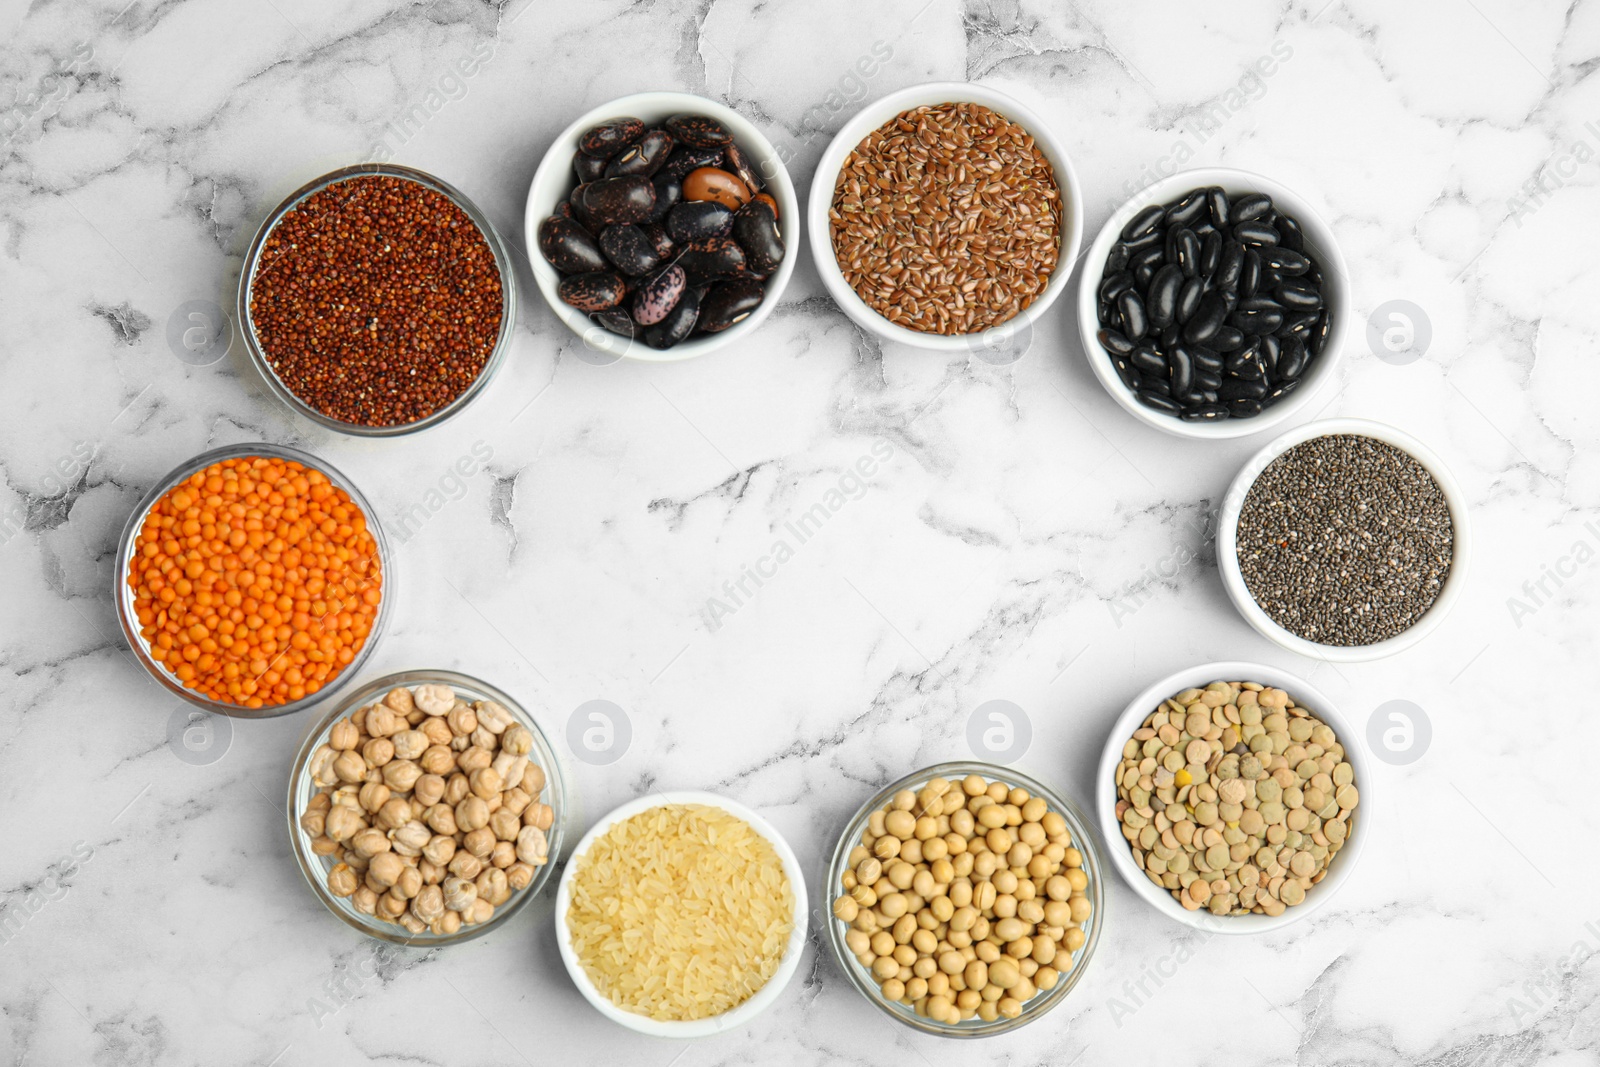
x: 1344, y: 540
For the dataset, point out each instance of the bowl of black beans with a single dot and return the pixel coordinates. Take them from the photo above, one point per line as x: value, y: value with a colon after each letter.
x: 1214, y: 305
x: 661, y: 226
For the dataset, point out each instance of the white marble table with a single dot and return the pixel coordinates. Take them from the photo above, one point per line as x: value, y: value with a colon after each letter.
x: 1456, y: 147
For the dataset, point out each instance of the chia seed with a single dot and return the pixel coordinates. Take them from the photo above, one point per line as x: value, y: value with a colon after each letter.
x: 1345, y: 540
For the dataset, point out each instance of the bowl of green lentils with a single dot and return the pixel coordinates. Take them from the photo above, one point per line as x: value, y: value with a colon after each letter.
x: 1344, y: 540
x: 1234, y: 797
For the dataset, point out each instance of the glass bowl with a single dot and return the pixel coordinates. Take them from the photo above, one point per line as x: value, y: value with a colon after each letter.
x: 124, y: 594
x: 315, y: 868
x: 1039, y: 1004
x: 508, y: 298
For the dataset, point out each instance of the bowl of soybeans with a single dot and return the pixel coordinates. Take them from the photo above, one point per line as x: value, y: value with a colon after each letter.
x: 426, y: 807
x: 966, y: 899
x: 1234, y: 797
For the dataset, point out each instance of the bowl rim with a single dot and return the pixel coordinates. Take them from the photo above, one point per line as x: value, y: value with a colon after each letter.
x: 737, y: 1016
x: 1084, y: 839
x: 1228, y: 545
x: 666, y: 102
x: 316, y: 734
x: 874, y: 114
x: 1318, y: 234
x: 127, y: 617
x: 1230, y: 670
x: 497, y: 247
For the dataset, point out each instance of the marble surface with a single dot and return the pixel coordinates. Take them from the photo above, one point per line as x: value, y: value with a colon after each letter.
x: 150, y: 907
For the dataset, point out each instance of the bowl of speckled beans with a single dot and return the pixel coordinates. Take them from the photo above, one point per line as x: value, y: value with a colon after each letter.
x: 1344, y: 540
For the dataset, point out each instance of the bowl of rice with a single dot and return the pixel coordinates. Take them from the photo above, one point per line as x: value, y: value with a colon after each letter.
x: 681, y: 914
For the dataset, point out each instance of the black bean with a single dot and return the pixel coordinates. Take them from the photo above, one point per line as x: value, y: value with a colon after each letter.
x: 1148, y: 361
x: 1187, y: 211
x: 1186, y: 253
x: 1114, y: 342
x: 1206, y: 359
x: 1205, y: 413
x: 1126, y: 371
x: 1181, y: 370
x: 1292, y: 237
x: 1108, y: 315
x: 1250, y: 206
x: 1279, y: 392
x: 1151, y: 399
x: 1257, y: 320
x: 1171, y: 335
x: 1144, y: 266
x: 1114, y: 285
x: 1227, y: 339
x: 1245, y: 364
x: 1270, y: 348
x: 1162, y: 296
x: 1229, y: 264
x: 1144, y: 222
x: 1238, y: 388
x: 1153, y: 239
x: 1250, y: 273
x: 1206, y: 381
x: 1284, y: 262
x: 1319, y: 333
x: 1207, y: 320
x: 1292, y: 362
x: 1211, y: 254
x: 1297, y: 295
x: 1217, y: 202
x: 1298, y: 325
x: 1244, y: 408
x: 1189, y: 298
x: 1135, y: 322
x: 1255, y: 233
x: 1118, y: 258
x: 1155, y: 385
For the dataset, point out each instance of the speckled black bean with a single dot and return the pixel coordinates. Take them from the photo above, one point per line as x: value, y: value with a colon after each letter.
x: 755, y: 227
x: 658, y: 295
x: 569, y: 247
x: 678, y: 324
x: 644, y: 156
x: 614, y: 201
x: 686, y: 157
x: 616, y: 320
x: 588, y: 168
x: 698, y: 220
x: 740, y: 165
x: 660, y: 241
x: 729, y: 303
x: 669, y: 194
x: 595, y: 291
x: 699, y: 130
x: 604, y: 140
x: 711, y: 260
x: 628, y: 249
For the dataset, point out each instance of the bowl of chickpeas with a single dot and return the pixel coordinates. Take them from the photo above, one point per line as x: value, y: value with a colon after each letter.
x: 967, y: 899
x: 425, y: 808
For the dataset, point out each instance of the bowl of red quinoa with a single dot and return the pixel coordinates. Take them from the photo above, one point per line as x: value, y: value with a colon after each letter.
x: 946, y: 216
x: 377, y: 300
x: 1344, y: 540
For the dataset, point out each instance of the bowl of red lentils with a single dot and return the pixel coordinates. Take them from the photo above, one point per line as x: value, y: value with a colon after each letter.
x: 253, y: 581
x: 377, y: 300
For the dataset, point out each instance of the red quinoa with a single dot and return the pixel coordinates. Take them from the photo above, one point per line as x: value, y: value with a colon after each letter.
x: 377, y: 301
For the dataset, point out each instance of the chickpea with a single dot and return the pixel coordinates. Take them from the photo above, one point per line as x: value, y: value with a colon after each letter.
x: 385, y: 868
x: 482, y: 912
x: 343, y: 735
x: 409, y: 840
x: 473, y: 758
x: 532, y: 847
x: 479, y: 842
x: 456, y: 789
x: 503, y: 855
x: 428, y: 790
x: 401, y: 774
x: 542, y: 816
x: 350, y: 767
x: 519, y: 875
x: 517, y: 740
x: 341, y: 880
x: 313, y: 822
x: 364, y: 900
x: 533, y: 780
x: 465, y: 864
x: 440, y: 849
x: 437, y: 759
x: 463, y: 720
x: 460, y: 894
x: 342, y: 823
x: 484, y: 782
x: 510, y: 769
x: 472, y: 813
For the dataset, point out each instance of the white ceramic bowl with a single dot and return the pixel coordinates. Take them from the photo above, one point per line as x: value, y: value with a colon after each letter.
x: 1320, y: 245
x: 1121, y: 855
x: 876, y: 114
x: 1228, y: 543
x: 729, y: 1020
x: 554, y: 179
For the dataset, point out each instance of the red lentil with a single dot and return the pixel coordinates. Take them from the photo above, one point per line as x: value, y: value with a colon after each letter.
x: 376, y: 300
